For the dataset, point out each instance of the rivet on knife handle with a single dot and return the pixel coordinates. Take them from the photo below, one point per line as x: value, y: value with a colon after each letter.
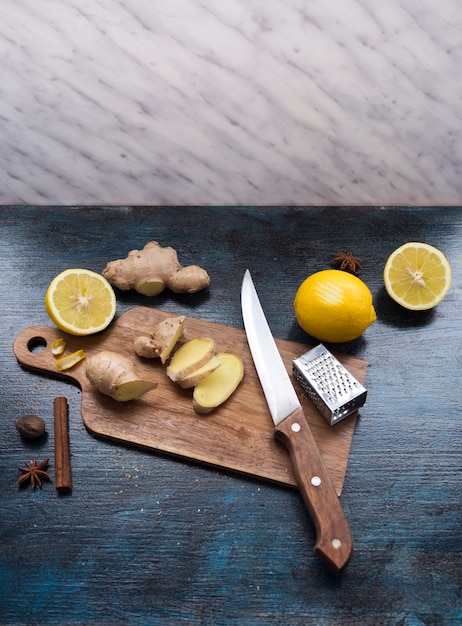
x: 334, y: 543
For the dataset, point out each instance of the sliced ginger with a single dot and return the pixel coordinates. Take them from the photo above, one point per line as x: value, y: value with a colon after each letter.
x: 194, y: 378
x: 150, y: 270
x: 166, y: 336
x: 115, y: 376
x: 190, y: 357
x: 163, y: 339
x: 218, y: 386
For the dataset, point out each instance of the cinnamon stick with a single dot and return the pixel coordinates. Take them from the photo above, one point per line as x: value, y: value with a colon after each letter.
x: 62, y: 452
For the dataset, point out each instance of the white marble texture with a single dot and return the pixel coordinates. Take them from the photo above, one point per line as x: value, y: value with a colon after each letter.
x: 231, y: 102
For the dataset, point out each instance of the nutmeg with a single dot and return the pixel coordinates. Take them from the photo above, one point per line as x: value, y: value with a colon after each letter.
x: 30, y: 426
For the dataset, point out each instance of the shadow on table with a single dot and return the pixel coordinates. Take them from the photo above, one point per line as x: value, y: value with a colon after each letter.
x: 391, y: 313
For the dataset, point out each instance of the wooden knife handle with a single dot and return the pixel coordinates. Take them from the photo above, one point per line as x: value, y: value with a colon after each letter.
x: 334, y: 543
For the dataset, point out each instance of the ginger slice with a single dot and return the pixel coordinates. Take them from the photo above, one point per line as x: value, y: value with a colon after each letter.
x: 166, y: 335
x: 191, y: 380
x: 115, y: 376
x: 190, y: 357
x: 218, y: 386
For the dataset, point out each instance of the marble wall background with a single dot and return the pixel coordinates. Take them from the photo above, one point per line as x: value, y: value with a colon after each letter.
x: 238, y: 102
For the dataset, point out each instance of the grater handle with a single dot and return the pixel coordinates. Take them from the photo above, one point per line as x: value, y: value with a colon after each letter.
x: 334, y: 543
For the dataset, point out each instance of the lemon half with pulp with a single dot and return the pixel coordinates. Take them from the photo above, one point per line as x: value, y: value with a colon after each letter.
x: 417, y: 276
x: 80, y: 302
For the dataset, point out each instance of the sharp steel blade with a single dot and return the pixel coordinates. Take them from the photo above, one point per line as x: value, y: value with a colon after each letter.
x: 277, y: 386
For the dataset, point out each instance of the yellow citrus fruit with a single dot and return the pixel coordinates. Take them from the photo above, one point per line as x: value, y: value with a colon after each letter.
x: 80, y: 302
x: 417, y: 276
x: 334, y: 306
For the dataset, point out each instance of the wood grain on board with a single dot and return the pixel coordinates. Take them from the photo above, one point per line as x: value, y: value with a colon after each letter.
x: 237, y: 436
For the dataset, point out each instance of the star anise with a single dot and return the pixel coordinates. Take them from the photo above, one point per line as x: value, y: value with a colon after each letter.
x: 347, y: 262
x: 35, y: 472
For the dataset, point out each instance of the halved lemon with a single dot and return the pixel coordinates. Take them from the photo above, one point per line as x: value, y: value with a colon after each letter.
x: 80, y: 302
x: 417, y: 276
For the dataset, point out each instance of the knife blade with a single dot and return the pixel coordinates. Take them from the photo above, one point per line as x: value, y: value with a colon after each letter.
x: 334, y: 542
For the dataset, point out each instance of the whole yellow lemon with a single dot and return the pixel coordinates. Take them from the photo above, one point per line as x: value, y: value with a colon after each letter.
x: 334, y: 306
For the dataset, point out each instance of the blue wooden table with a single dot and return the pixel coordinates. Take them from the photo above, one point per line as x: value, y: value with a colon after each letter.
x: 148, y: 539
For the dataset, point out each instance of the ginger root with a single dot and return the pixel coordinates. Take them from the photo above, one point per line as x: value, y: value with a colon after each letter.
x: 218, y: 386
x: 162, y: 340
x: 144, y: 348
x: 150, y: 270
x: 115, y: 376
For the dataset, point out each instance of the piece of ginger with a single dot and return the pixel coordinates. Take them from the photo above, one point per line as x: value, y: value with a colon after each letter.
x: 218, y: 386
x: 115, y: 376
x: 162, y: 340
x: 150, y: 270
x: 194, y: 378
x: 191, y: 356
x: 144, y: 348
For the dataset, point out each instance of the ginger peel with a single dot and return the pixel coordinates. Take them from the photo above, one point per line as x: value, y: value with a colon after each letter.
x: 114, y: 375
x: 150, y: 270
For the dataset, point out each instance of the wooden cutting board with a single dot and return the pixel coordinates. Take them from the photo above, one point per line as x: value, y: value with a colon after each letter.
x: 237, y: 436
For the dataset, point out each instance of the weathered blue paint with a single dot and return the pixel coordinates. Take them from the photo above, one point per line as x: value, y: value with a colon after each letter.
x: 147, y: 539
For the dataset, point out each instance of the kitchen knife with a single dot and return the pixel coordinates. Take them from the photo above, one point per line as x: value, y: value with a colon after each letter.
x: 334, y: 543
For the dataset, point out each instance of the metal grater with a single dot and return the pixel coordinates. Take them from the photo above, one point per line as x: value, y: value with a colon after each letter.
x: 331, y: 387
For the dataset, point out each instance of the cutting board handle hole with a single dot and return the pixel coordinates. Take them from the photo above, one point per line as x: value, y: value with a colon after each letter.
x: 36, y: 344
